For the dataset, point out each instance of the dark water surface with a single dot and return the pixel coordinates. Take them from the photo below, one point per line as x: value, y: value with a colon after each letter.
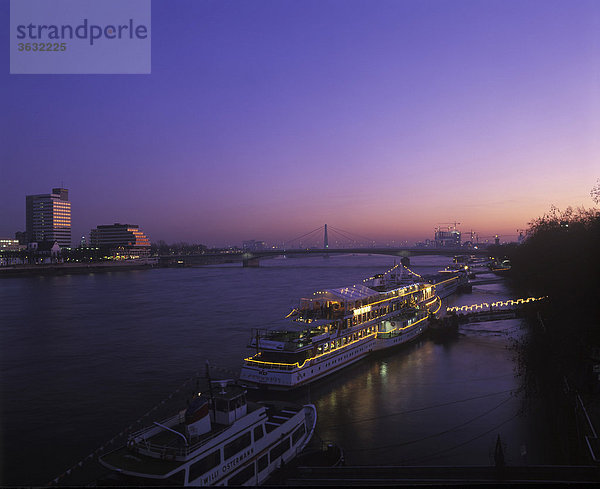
x: 83, y: 356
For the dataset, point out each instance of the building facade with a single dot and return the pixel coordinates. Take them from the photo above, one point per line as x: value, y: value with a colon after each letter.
x: 48, y: 217
x: 253, y: 245
x: 8, y: 244
x: 450, y: 238
x: 123, y: 240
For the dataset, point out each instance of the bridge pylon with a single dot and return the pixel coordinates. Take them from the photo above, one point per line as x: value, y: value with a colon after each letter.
x: 325, y: 238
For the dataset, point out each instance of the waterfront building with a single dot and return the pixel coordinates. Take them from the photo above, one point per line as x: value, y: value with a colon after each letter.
x: 45, y: 251
x: 48, y: 217
x: 21, y: 237
x: 253, y: 245
x: 449, y: 238
x: 8, y: 244
x: 122, y: 240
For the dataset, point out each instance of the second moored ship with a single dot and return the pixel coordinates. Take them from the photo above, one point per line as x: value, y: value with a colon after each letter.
x: 337, y: 327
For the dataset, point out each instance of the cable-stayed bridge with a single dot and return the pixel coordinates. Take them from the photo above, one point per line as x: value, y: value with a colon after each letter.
x: 344, y: 242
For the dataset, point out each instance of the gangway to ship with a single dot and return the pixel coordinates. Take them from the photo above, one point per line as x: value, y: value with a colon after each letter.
x: 498, y: 310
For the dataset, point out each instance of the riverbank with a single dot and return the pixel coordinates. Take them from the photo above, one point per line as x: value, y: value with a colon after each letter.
x: 560, y: 359
x: 72, y: 268
x: 568, y: 390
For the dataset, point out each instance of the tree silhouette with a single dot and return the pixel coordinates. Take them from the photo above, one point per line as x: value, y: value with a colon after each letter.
x: 595, y: 193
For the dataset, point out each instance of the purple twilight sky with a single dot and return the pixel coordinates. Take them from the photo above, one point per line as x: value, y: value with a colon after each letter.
x: 266, y: 119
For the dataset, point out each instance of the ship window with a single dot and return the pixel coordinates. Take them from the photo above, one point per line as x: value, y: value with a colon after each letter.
x: 204, y: 465
x: 263, y: 462
x: 237, y: 445
x: 242, y: 476
x: 298, y: 433
x: 237, y: 403
x: 279, y: 450
x: 258, y: 433
x: 222, y: 405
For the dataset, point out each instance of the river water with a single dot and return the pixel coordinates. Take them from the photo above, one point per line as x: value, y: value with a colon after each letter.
x: 83, y: 356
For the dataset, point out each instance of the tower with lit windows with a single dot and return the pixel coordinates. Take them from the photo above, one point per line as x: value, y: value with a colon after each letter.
x: 48, y: 217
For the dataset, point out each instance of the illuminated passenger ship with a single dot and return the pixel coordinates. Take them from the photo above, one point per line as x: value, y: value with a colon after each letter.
x: 219, y: 440
x: 337, y: 327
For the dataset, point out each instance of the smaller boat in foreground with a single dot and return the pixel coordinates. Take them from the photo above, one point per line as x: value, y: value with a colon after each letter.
x: 220, y: 439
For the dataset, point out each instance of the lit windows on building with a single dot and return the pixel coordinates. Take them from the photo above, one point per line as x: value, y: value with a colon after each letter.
x: 48, y: 217
x: 123, y: 240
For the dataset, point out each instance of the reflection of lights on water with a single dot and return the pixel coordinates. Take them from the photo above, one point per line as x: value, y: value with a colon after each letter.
x: 332, y: 399
x: 383, y: 370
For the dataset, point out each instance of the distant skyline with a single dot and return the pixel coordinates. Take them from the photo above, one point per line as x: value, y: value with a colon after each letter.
x: 266, y: 119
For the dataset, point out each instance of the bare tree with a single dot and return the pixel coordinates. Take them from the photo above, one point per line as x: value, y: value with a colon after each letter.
x: 595, y: 193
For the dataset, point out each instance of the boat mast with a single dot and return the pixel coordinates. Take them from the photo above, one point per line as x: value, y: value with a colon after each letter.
x: 210, y: 391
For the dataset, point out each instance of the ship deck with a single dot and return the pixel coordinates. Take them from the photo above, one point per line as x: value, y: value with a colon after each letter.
x: 128, y: 461
x: 294, y: 336
x: 123, y: 459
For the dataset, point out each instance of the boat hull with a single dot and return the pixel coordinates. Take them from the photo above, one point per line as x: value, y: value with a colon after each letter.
x: 286, y: 434
x: 271, y: 379
x: 255, y: 377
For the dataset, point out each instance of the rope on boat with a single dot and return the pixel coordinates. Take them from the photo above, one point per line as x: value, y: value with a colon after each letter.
x: 96, y: 453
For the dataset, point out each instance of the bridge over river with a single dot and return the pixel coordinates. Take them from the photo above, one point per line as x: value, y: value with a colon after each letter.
x: 252, y: 258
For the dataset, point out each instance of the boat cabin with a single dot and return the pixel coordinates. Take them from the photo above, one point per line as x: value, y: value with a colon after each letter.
x: 228, y: 403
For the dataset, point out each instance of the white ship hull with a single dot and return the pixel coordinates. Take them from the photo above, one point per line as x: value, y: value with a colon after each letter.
x: 342, y: 326
x: 244, y: 453
x: 316, y: 369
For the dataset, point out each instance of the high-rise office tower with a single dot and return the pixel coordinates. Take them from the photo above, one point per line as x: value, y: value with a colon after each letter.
x: 48, y: 217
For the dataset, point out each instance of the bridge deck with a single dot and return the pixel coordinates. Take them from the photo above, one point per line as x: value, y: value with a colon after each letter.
x: 400, y: 251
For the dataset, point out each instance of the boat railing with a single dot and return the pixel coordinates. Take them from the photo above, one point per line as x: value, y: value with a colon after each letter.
x: 285, y: 340
x: 148, y: 432
x: 271, y: 365
x: 322, y: 313
x: 141, y: 440
x: 389, y: 334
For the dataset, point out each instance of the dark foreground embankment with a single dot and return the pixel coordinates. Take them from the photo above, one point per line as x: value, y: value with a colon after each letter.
x: 560, y: 360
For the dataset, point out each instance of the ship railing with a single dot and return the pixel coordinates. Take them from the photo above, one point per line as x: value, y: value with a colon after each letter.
x: 316, y: 314
x: 169, y: 452
x: 388, y: 334
x: 148, y: 432
x: 289, y: 340
x: 140, y: 440
x: 271, y: 365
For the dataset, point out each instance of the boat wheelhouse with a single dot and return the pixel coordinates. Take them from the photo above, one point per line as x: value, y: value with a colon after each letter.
x: 220, y: 439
